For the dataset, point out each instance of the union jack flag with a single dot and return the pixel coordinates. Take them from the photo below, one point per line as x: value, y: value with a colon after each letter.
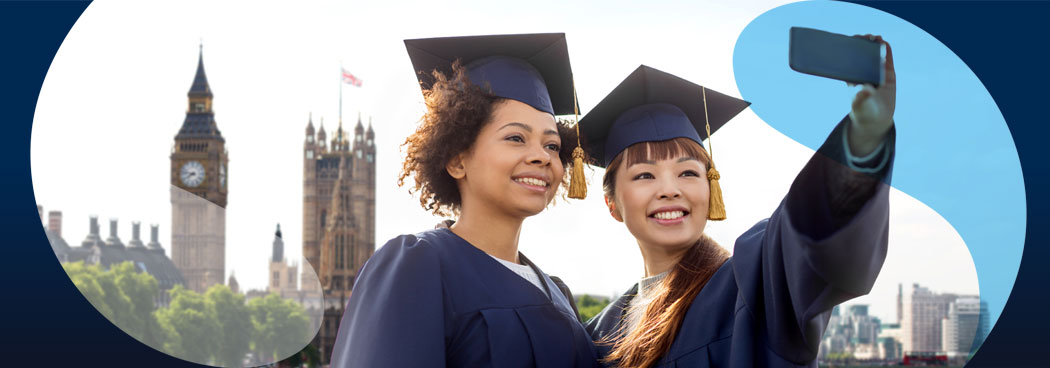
x: 351, y: 79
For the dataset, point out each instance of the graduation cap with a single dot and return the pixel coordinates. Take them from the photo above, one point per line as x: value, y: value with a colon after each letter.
x: 530, y: 68
x: 653, y: 106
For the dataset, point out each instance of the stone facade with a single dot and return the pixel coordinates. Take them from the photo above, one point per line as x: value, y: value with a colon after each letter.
x: 338, y: 217
x: 199, y: 168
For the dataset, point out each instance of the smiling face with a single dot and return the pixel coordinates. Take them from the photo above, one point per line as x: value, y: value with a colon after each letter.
x: 660, y: 191
x: 513, y: 167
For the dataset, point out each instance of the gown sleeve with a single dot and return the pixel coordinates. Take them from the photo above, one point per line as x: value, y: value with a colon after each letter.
x: 396, y: 315
x: 823, y: 245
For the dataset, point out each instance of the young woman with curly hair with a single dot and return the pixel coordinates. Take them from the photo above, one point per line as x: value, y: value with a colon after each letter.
x: 490, y: 153
x: 768, y: 304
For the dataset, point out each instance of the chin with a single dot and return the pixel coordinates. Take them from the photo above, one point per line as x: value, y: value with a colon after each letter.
x: 674, y: 240
x: 531, y: 209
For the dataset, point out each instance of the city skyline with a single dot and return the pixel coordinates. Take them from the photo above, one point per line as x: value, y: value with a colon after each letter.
x: 267, y: 86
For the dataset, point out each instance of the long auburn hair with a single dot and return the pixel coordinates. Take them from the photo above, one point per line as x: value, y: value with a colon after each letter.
x: 652, y: 338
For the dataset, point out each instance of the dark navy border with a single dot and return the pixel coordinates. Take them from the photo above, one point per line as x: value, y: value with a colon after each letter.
x: 48, y: 323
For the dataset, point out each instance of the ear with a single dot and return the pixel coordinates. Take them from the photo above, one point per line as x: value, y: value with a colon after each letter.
x: 456, y: 168
x: 611, y: 203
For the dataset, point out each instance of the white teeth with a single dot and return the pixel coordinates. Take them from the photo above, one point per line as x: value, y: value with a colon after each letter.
x: 532, y: 181
x: 669, y: 215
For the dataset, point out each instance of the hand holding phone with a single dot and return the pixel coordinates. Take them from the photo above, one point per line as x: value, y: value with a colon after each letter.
x: 856, y: 60
x: 872, y: 109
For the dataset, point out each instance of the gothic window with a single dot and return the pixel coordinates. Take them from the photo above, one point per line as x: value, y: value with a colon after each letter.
x: 339, y: 252
x: 358, y: 154
x: 276, y: 279
x: 370, y: 157
x: 309, y: 155
x: 324, y: 216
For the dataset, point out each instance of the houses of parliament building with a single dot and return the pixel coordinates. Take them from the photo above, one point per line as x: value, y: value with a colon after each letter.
x: 339, y: 192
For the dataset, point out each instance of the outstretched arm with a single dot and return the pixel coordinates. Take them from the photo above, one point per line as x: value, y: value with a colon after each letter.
x: 827, y: 241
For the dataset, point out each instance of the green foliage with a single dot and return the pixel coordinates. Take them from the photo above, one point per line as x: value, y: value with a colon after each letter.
x: 839, y: 356
x: 309, y: 357
x: 234, y: 322
x: 215, y: 328
x: 86, y: 280
x: 281, y: 326
x: 197, y: 328
x: 123, y: 295
x: 589, y: 306
x: 141, y: 290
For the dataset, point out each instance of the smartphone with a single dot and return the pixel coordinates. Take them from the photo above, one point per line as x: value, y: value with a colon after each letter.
x: 836, y: 56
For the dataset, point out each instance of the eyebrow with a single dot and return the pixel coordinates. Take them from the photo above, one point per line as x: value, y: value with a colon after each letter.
x: 527, y: 128
x: 647, y: 162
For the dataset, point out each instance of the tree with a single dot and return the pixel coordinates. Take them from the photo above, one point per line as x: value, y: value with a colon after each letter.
x: 234, y: 322
x: 590, y: 306
x: 195, y: 329
x: 281, y: 327
x: 140, y: 290
x: 308, y: 356
x: 123, y: 295
x: 85, y: 278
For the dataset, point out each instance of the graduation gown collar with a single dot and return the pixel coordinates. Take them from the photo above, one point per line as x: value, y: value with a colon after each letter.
x: 550, y: 292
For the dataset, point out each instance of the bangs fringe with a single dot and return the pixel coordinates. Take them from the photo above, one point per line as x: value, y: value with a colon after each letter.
x: 662, y: 150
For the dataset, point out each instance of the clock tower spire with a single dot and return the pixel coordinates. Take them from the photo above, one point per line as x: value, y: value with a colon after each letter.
x: 199, y: 189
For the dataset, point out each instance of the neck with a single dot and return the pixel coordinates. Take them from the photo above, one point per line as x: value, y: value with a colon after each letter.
x: 658, y: 259
x: 495, y: 234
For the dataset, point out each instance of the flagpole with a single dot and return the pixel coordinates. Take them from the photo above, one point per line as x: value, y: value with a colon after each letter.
x: 340, y: 93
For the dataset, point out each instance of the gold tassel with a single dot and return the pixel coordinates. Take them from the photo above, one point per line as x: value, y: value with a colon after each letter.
x: 577, y: 182
x: 716, y: 209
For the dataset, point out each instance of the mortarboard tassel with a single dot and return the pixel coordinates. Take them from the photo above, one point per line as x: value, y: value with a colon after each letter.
x: 577, y: 182
x: 716, y: 209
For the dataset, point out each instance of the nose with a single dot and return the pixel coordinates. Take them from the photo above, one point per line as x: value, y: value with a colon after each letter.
x: 538, y: 155
x: 668, y: 188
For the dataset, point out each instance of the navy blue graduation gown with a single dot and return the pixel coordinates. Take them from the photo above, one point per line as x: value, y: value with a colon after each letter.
x: 768, y: 305
x: 434, y: 300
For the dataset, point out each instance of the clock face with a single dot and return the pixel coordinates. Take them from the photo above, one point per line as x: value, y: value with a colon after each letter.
x: 222, y: 175
x: 192, y: 174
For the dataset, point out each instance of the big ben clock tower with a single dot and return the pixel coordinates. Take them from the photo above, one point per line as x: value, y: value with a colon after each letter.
x: 198, y: 191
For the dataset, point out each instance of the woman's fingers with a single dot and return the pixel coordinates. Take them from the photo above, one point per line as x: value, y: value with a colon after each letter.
x: 858, y: 100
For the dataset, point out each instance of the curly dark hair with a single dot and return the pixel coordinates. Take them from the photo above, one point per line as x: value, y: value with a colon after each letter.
x: 456, y: 111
